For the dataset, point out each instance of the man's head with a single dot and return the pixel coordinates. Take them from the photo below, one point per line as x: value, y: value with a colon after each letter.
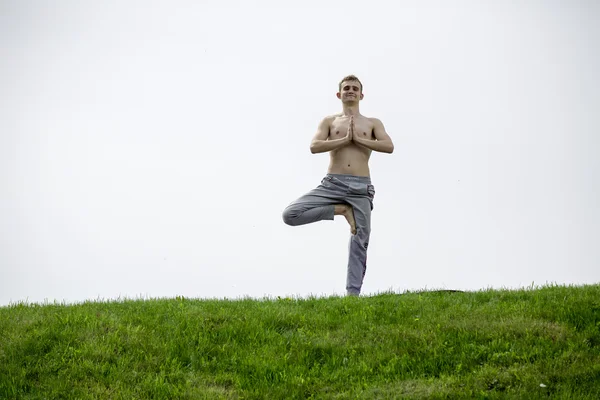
x: 350, y: 89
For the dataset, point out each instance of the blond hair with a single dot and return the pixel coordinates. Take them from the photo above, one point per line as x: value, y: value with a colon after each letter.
x: 350, y: 78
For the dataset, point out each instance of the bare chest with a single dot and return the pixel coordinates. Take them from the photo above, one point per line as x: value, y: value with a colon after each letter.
x: 362, y: 126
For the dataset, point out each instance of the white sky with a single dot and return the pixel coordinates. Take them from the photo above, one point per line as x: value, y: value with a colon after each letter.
x: 147, y: 149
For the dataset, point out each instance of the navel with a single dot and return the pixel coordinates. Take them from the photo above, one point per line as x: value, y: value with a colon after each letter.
x: 365, y: 133
x: 337, y: 132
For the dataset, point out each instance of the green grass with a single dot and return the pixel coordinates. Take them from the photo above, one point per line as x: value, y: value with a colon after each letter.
x: 490, y: 344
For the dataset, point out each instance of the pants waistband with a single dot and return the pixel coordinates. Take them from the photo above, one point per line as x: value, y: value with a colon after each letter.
x: 350, y: 178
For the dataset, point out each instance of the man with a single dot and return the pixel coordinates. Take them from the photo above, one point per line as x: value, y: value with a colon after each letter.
x: 346, y: 189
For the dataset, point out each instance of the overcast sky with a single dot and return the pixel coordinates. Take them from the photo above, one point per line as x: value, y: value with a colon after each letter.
x: 147, y: 149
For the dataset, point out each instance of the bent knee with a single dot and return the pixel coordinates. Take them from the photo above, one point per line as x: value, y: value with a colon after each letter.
x: 290, y: 216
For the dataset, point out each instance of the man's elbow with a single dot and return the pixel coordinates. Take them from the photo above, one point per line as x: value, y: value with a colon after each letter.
x: 315, y: 147
x: 389, y: 148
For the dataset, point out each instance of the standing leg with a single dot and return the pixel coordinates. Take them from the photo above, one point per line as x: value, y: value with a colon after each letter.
x: 359, y: 243
x: 350, y: 197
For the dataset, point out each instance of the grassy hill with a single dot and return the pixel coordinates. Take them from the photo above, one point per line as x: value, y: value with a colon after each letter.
x: 525, y: 344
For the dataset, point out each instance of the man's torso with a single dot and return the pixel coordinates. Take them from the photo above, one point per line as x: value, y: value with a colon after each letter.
x: 351, y: 159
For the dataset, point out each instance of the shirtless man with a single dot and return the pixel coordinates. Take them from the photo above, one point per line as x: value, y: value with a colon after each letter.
x: 346, y: 189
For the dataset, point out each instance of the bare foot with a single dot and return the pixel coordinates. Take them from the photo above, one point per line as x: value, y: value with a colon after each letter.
x: 348, y: 212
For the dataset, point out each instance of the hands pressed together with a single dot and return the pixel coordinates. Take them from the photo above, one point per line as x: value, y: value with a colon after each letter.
x: 350, y: 134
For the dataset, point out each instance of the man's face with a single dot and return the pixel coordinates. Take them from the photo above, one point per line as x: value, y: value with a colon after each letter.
x: 350, y: 92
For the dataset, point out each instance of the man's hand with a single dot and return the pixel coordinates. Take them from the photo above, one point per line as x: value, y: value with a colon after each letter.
x: 321, y: 141
x: 350, y: 133
x: 355, y: 135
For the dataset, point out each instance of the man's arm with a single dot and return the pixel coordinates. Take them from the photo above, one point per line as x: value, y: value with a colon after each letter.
x: 382, y: 143
x: 320, y: 144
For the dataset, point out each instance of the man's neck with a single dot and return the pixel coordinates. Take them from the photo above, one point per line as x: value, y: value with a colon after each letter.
x: 350, y: 109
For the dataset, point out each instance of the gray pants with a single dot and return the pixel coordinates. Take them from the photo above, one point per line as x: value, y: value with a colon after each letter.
x: 318, y: 205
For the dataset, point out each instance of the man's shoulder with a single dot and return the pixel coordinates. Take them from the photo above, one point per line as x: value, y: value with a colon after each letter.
x: 374, y: 119
x: 332, y: 117
x: 328, y: 119
x: 376, y: 122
